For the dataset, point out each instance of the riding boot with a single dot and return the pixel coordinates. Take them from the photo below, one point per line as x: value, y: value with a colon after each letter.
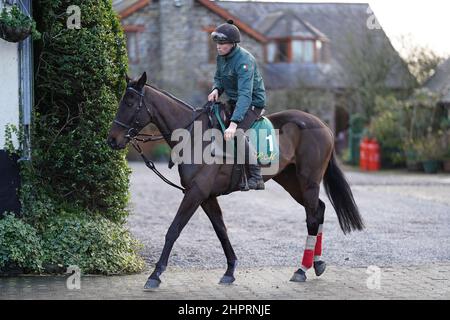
x: 255, y: 180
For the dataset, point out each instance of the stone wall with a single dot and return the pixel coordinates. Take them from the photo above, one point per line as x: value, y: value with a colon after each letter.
x: 148, y: 42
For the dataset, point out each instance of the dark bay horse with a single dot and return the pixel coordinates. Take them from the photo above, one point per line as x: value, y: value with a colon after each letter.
x: 306, y: 156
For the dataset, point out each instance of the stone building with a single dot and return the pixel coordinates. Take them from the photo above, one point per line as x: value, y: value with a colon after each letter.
x: 439, y: 84
x: 302, y: 49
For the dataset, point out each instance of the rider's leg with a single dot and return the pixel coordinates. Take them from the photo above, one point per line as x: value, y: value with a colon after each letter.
x: 255, y: 180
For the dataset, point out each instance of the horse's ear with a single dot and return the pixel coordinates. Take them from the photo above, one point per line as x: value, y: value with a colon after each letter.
x: 127, y: 78
x: 142, y: 80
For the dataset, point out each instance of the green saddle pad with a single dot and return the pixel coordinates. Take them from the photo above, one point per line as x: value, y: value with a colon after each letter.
x: 263, y: 136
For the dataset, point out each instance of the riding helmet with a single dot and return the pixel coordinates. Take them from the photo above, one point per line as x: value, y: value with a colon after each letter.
x: 226, y: 33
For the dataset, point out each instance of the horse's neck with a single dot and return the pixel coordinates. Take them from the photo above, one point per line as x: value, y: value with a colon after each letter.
x: 170, y: 114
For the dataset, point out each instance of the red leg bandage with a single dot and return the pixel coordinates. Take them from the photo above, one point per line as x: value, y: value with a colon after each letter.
x: 308, y: 254
x: 318, y: 249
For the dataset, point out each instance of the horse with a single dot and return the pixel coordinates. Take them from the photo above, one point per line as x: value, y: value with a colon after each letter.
x: 306, y: 157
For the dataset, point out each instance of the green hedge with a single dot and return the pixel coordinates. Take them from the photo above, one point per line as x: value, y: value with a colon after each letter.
x: 79, y: 81
x: 20, y: 245
x: 74, y: 193
x: 95, y: 244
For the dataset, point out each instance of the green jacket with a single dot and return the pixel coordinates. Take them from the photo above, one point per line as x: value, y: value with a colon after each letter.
x: 238, y: 76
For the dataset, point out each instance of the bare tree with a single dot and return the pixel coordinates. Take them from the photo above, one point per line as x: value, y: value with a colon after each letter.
x: 370, y: 64
x: 421, y: 60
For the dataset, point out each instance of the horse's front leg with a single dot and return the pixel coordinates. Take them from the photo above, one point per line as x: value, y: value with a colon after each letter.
x: 191, y: 201
x: 214, y: 212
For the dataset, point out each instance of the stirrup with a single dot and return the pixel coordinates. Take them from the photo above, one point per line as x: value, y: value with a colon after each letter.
x: 256, y: 185
x: 244, y: 186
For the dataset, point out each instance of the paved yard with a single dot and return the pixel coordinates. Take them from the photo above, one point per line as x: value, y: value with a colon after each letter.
x: 430, y: 282
x: 407, y: 237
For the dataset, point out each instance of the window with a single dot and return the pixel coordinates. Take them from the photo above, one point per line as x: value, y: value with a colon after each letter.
x: 132, y: 36
x: 282, y: 51
x: 318, y: 44
x: 271, y: 52
x: 303, y: 50
x: 309, y: 51
x: 212, y: 51
x: 297, y: 51
x: 211, y: 45
x: 319, y: 53
x: 132, y: 47
x: 278, y: 51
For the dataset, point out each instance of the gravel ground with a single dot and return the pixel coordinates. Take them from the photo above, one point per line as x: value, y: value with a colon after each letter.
x: 407, y: 219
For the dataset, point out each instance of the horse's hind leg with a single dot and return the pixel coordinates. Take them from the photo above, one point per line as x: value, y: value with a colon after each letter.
x: 306, y: 193
x: 214, y: 213
x: 315, y: 209
x: 319, y: 264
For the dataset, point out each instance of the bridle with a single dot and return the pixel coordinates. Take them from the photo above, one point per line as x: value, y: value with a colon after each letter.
x: 135, y: 122
x: 133, y: 133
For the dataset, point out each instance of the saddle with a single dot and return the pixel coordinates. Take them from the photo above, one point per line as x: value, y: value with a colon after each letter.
x: 219, y: 117
x: 262, y: 137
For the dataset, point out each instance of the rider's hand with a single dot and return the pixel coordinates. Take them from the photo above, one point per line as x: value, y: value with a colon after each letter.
x: 230, y: 132
x: 214, y: 95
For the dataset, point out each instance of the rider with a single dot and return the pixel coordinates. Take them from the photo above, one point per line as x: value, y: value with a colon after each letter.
x: 238, y: 76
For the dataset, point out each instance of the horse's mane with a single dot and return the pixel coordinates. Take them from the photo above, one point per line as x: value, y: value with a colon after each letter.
x: 171, y: 96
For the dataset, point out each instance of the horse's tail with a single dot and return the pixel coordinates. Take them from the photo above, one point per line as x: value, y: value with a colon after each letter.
x: 341, y: 197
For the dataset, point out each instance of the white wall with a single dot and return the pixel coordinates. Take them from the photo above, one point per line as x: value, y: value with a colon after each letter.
x: 9, y: 88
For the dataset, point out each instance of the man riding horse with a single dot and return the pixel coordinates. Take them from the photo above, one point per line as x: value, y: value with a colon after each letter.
x: 238, y: 76
x: 306, y: 157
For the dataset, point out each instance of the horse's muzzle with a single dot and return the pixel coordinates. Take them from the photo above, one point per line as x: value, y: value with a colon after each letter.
x: 112, y: 142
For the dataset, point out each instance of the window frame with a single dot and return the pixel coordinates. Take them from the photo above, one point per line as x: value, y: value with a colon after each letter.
x: 134, y: 30
x: 278, y: 42
x: 212, y: 50
x: 316, y: 56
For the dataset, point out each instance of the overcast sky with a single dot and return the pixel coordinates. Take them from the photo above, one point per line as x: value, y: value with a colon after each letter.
x: 426, y: 23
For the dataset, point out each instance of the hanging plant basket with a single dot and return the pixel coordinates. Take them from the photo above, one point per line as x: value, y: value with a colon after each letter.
x: 16, y: 26
x: 13, y: 34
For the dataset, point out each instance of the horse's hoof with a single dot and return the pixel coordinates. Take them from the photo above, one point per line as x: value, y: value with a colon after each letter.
x: 299, y: 276
x: 227, y: 280
x: 319, y: 267
x: 152, y: 284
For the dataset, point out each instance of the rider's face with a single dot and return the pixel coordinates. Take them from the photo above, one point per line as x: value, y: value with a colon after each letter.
x: 224, y: 48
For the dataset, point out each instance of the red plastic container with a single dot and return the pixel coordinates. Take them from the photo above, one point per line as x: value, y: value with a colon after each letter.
x: 363, y: 154
x: 373, y: 155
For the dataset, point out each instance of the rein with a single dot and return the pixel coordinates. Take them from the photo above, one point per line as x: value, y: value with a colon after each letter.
x: 136, y: 138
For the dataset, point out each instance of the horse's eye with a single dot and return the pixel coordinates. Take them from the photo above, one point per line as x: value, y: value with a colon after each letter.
x: 128, y: 103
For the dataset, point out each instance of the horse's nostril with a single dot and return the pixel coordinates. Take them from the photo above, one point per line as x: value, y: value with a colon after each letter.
x: 111, y: 142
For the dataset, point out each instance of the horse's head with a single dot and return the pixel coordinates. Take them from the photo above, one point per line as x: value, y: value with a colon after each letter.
x: 133, y: 114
